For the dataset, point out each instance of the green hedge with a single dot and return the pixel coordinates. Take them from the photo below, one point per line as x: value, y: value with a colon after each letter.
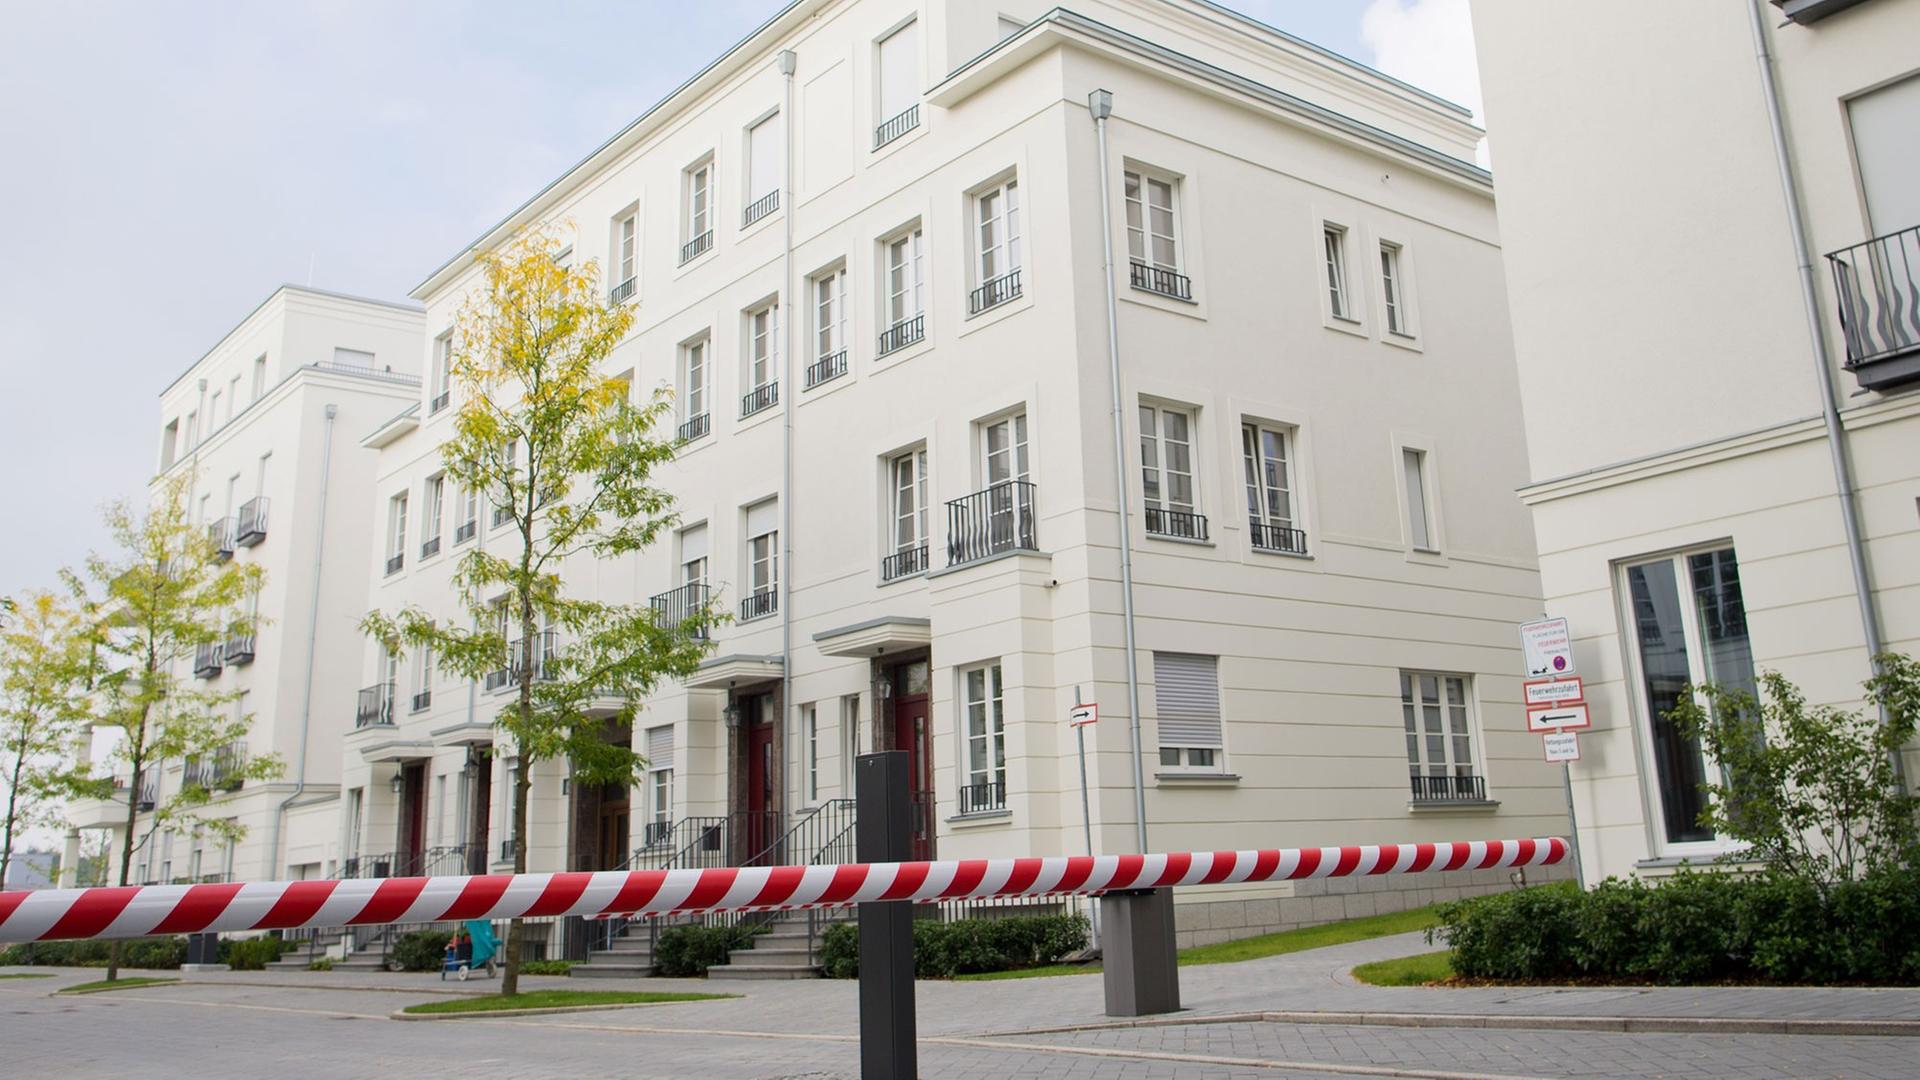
x: 421, y: 950
x: 149, y: 954
x: 253, y: 954
x: 942, y: 950
x: 1694, y: 928
x: 684, y: 952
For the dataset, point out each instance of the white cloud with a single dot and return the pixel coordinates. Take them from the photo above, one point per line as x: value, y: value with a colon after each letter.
x: 1428, y: 43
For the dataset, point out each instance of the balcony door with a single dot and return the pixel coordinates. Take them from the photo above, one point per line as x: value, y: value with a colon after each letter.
x: 1003, y: 465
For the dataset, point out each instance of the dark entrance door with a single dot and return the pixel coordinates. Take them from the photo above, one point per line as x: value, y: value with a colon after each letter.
x: 912, y: 732
x: 413, y: 818
x: 613, y: 833
x: 763, y: 805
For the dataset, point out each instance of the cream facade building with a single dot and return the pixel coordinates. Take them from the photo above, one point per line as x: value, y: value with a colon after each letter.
x: 267, y: 425
x: 1676, y: 374
x: 888, y: 338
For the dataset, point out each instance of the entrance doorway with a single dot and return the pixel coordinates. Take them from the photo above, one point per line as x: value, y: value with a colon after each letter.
x: 761, y: 826
x: 479, y: 772
x: 412, y: 848
x: 913, y: 732
x: 602, y: 827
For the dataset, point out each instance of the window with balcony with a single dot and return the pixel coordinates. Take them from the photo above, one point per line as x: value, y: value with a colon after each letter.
x: 1186, y: 695
x: 442, y: 373
x: 763, y: 360
x: 829, y: 292
x: 693, y: 390
x: 422, y: 678
x: 983, y: 699
x: 430, y: 512
x: 1877, y: 281
x: 1437, y: 711
x: 696, y: 228
x: 680, y: 605
x: 1416, y: 481
x: 504, y: 504
x: 1153, y: 236
x: 1000, y: 517
x: 897, y: 84
x: 766, y: 164
x: 660, y: 765
x: 1333, y: 241
x: 996, y: 267
x: 1167, y: 473
x: 1272, y: 514
x: 396, y: 532
x: 468, y: 522
x: 626, y: 257
x: 907, y: 482
x: 902, y: 304
x: 763, y: 561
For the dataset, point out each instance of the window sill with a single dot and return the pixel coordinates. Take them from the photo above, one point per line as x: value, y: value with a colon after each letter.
x: 1001, y: 557
x: 893, y: 357
x: 1409, y: 342
x: 1345, y: 324
x: 1457, y: 806
x: 1187, y: 540
x: 917, y: 575
x: 1276, y: 553
x: 984, y: 817
x: 682, y: 269
x: 755, y: 225
x: 986, y: 317
x: 1196, y: 779
x: 1159, y: 301
x: 755, y: 619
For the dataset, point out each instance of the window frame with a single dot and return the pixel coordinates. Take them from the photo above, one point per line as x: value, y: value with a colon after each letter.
x: 1413, y: 715
x: 992, y: 734
x: 920, y: 517
x: 397, y: 511
x: 761, y: 342
x: 1417, y: 464
x: 1143, y: 176
x: 1158, y: 464
x: 1395, y: 313
x: 433, y: 507
x: 442, y: 372
x: 626, y: 251
x: 829, y: 315
x: 911, y: 269
x: 698, y: 197
x: 1254, y: 465
x: 1336, y: 273
x: 695, y: 358
x: 1188, y: 760
x: 1006, y: 216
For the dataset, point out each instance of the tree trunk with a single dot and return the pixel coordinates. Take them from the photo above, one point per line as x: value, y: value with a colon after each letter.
x: 510, y: 972
x: 126, y: 859
x: 13, y: 814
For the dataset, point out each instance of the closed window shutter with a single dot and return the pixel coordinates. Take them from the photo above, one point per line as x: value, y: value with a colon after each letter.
x: 1186, y: 691
x: 762, y: 518
x: 660, y: 747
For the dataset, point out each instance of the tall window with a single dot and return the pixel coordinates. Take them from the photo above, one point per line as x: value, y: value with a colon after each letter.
x: 1390, y: 288
x: 1150, y: 234
x: 997, y: 244
x: 1333, y: 240
x: 1436, y: 712
x: 233, y: 397
x: 396, y: 532
x: 510, y: 475
x: 1003, y: 444
x: 626, y: 255
x: 430, y: 509
x: 693, y: 389
x: 697, y: 228
x: 422, y: 678
x: 259, y: 376
x: 811, y: 715
x: 214, y: 420
x: 1186, y: 693
x: 986, y: 739
x: 897, y: 85
x: 1166, y: 472
x: 763, y: 346
x: 908, y: 474
x: 442, y: 371
x: 829, y: 313
x: 469, y: 515
x: 850, y: 740
x: 1413, y: 466
x: 693, y: 555
x: 766, y: 164
x: 1690, y: 629
x: 763, y: 560
x: 660, y: 764
x: 1269, y: 481
x: 904, y: 304
x: 193, y: 429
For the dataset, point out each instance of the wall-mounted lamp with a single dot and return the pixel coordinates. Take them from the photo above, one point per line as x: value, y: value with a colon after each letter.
x: 732, y: 714
x: 399, y: 782
x: 886, y: 689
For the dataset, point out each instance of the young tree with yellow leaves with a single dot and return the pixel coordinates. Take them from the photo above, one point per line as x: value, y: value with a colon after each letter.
x: 565, y: 459
x: 43, y: 680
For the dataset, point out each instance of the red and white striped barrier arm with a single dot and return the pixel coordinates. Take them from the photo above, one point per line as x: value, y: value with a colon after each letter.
x: 143, y: 910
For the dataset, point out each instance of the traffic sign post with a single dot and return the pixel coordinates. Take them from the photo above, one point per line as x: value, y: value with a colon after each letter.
x: 1561, y: 746
x: 1081, y: 717
x: 1556, y: 703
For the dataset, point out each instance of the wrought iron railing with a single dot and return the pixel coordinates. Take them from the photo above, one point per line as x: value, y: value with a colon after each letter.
x: 422, y: 698
x: 546, y: 647
x: 149, y: 791
x: 694, y: 427
x: 759, y: 604
x: 238, y: 649
x: 624, y: 291
x: 1277, y: 538
x: 1878, y: 287
x: 1155, y: 279
x: 250, y: 527
x: 1180, y: 524
x: 696, y: 247
x: 497, y: 679
x: 395, y: 561
x: 218, y: 771
x: 1431, y: 789
x: 375, y: 707
x: 904, y: 563
x: 827, y: 368
x: 897, y: 125
x: 994, y: 292
x: 464, y: 531
x: 220, y: 539
x: 208, y: 658
x: 687, y: 606
x: 760, y: 207
x: 430, y: 547
x: 902, y: 334
x: 759, y: 399
x: 440, y: 401
x: 983, y: 797
x: 990, y: 522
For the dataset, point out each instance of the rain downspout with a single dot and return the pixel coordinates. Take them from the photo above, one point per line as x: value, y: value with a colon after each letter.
x: 786, y: 62
x: 313, y: 640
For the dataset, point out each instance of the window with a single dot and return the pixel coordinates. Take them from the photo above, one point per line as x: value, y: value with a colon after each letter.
x: 763, y: 561
x: 897, y: 84
x: 356, y: 803
x: 1334, y: 241
x: 396, y: 532
x: 766, y: 164
x: 233, y: 397
x: 903, y: 281
x: 442, y: 372
x: 1152, y: 239
x: 259, y: 376
x: 214, y: 420
x: 850, y: 738
x: 1420, y: 532
x: 697, y: 228
x: 1167, y: 473
x: 907, y: 476
x: 1186, y: 694
x: 829, y: 292
x: 1437, y: 713
x: 430, y: 509
x: 1271, y: 518
x: 693, y: 389
x: 169, y: 444
x: 422, y: 678
x: 997, y: 246
x: 469, y: 518
x: 1690, y: 621
x: 763, y: 360
x: 626, y: 239
x: 811, y: 714
x: 986, y: 734
x: 1391, y: 288
x: 440, y: 810
x: 1000, y: 517
x: 509, y: 475
x: 660, y: 763
x: 353, y: 358
x: 193, y: 429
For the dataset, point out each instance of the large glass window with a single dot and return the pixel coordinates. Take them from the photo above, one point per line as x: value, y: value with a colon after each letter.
x: 986, y: 738
x: 909, y: 500
x: 997, y: 212
x: 1333, y: 240
x: 1150, y: 235
x: 904, y: 278
x: 1186, y: 695
x: 1166, y: 459
x: 1269, y: 480
x: 1437, y: 712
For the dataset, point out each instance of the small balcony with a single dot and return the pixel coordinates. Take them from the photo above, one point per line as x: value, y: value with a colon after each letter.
x: 624, y: 291
x: 430, y: 547
x: 902, y: 334
x: 546, y: 646
x: 208, y: 658
x: 695, y: 427
x: 696, y: 247
x: 994, y: 292
x: 896, y: 126
x: 1159, y: 280
x: 375, y: 707
x: 440, y: 401
x: 250, y: 527
x: 149, y: 791
x: 991, y: 522
x: 827, y: 368
x: 682, y: 606
x: 220, y: 539
x: 1449, y: 789
x: 983, y: 798
x: 422, y: 699
x: 760, y: 207
x: 904, y: 563
x: 1277, y: 538
x: 395, y: 561
x: 238, y: 649
x: 464, y: 531
x: 218, y: 771
x: 759, y: 399
x: 759, y: 605
x: 1176, y: 524
x: 1877, y: 284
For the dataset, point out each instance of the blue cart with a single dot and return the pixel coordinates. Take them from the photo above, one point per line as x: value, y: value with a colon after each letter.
x: 472, y: 948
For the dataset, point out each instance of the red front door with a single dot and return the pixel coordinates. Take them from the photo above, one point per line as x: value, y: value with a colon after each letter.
x: 762, y: 804
x: 413, y: 823
x: 912, y: 733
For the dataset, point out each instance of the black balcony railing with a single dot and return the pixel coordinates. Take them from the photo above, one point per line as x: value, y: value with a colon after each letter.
x: 546, y: 647
x: 207, y: 658
x: 238, y: 649
x: 1878, y: 288
x: 501, y: 515
x: 496, y: 679
x: 994, y: 292
x: 464, y: 531
x: 1277, y: 538
x: 686, y: 606
x: 220, y: 770
x: 1436, y: 789
x: 375, y: 707
x: 694, y: 427
x: 251, y: 526
x: 220, y: 538
x: 149, y: 791
x: 983, y: 798
x: 760, y: 207
x: 904, y: 563
x: 1153, y: 279
x: 623, y: 292
x: 422, y: 699
x: 760, y: 604
x: 902, y: 334
x: 440, y: 401
x: 897, y: 125
x: 696, y: 247
x: 1180, y: 524
x: 827, y: 368
x: 430, y: 547
x: 759, y: 399
x: 395, y: 561
x: 990, y: 522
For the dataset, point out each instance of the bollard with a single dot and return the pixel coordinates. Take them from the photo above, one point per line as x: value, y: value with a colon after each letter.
x: 883, y: 832
x: 1138, y: 961
x: 203, y: 953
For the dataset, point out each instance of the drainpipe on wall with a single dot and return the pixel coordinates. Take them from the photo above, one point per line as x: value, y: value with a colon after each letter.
x: 1823, y: 367
x: 313, y: 640
x: 1100, y: 104
x: 786, y: 61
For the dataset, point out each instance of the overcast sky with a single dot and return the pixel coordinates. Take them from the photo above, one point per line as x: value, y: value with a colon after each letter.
x: 170, y: 164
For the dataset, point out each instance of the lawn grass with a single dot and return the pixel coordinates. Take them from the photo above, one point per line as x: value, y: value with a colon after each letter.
x: 123, y: 983
x: 1407, y: 970
x: 1253, y: 948
x: 28, y: 975
x: 555, y: 999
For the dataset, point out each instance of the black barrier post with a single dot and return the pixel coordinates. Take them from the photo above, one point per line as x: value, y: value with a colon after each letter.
x: 1138, y: 960
x: 883, y: 832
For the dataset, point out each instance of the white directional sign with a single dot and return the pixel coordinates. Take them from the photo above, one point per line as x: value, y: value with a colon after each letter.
x: 1082, y: 715
x: 1562, y: 746
x: 1548, y: 692
x: 1548, y: 648
x: 1559, y: 718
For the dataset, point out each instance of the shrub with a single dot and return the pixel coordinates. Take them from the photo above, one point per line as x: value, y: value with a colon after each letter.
x: 325, y: 963
x: 942, y: 950
x: 547, y: 967
x: 421, y: 950
x: 688, y: 951
x: 153, y: 954
x: 251, y: 954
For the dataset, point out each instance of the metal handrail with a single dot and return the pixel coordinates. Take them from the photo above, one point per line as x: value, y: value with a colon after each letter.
x: 760, y: 207
x: 1156, y: 279
x: 1877, y: 283
x: 686, y: 604
x: 238, y: 648
x: 904, y: 563
x: 1277, y: 538
x: 620, y: 293
x: 827, y: 368
x: 902, y: 334
x: 696, y: 247
x: 759, y: 399
x: 250, y: 527
x: 1449, y: 788
x: 983, y: 797
x: 897, y: 125
x: 989, y: 522
x: 759, y: 604
x: 208, y: 657
x: 375, y: 707
x: 994, y: 292
x: 220, y: 536
x: 694, y: 427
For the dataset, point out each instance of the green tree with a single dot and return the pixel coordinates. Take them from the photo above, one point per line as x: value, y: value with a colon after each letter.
x: 43, y: 677
x: 564, y: 459
x: 145, y: 612
x: 1811, y: 790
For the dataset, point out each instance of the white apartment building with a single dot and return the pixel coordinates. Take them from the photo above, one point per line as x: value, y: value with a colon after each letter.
x: 267, y: 424
x: 1677, y: 377
x: 1328, y: 560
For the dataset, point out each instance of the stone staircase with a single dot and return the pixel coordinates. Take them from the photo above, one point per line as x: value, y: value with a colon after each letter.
x: 629, y: 957
x: 328, y: 946
x: 780, y: 952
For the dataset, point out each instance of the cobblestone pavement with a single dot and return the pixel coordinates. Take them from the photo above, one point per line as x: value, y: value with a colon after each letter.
x: 296, y: 1025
